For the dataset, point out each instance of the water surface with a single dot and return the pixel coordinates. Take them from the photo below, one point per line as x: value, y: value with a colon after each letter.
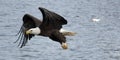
x: 94, y: 40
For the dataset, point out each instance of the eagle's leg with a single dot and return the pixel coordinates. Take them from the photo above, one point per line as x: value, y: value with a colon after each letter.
x: 57, y: 36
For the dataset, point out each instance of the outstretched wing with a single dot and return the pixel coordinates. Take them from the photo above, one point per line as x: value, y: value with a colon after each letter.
x: 51, y: 20
x: 28, y: 22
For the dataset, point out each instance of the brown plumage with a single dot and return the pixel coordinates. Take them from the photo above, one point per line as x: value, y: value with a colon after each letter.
x: 49, y: 27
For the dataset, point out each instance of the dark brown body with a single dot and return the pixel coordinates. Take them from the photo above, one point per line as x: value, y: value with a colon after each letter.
x: 49, y: 26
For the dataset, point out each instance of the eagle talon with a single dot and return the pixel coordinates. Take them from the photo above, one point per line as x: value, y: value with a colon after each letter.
x: 64, y: 46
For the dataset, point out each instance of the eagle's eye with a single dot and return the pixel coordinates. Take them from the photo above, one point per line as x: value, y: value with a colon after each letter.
x: 31, y: 30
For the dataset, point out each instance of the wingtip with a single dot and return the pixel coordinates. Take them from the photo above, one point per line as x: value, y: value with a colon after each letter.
x: 41, y: 8
x: 26, y: 15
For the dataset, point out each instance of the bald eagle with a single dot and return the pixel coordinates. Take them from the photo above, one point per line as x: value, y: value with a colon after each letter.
x: 49, y: 27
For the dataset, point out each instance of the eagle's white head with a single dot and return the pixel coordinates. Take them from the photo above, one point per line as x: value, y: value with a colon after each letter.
x: 34, y: 31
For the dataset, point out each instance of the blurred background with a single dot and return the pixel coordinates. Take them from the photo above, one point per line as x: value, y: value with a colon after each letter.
x: 97, y: 23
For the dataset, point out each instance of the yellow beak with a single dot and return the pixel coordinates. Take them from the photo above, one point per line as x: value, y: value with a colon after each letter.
x: 64, y: 46
x: 28, y: 32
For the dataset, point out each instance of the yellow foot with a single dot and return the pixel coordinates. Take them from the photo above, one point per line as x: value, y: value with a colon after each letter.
x: 64, y: 46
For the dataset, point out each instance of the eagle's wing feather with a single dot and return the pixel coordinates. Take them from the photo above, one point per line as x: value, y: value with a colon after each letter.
x: 51, y: 20
x: 28, y: 22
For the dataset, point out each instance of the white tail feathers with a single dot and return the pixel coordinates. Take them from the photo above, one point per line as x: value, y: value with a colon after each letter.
x: 67, y: 33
